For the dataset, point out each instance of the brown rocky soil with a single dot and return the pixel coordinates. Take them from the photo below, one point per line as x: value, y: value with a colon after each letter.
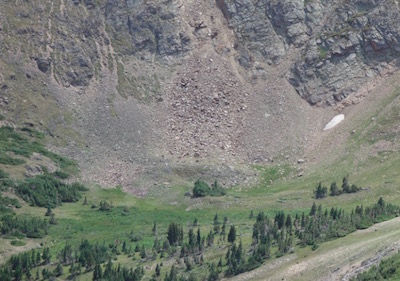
x: 134, y: 91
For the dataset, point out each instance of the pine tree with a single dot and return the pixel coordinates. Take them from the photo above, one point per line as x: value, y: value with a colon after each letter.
x: 97, y: 272
x: 251, y: 214
x: 313, y: 209
x: 381, y: 203
x: 280, y: 219
x: 320, y: 192
x: 143, y: 252
x: 345, y: 185
x: 124, y: 247
x: 334, y: 190
x: 158, y: 270
x: 232, y: 234
x: 216, y: 224
x: 58, y: 271
x: 48, y: 212
x: 288, y: 224
x: 173, y: 274
x: 175, y: 233
x: 213, y: 275
x: 198, y: 237
x: 46, y: 255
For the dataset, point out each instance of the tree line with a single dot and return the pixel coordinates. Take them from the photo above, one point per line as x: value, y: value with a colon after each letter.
x: 20, y: 227
x: 322, y: 191
x: 271, y: 236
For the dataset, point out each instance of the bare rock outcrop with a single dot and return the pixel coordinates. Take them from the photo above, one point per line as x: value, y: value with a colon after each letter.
x: 338, y: 46
x: 145, y: 83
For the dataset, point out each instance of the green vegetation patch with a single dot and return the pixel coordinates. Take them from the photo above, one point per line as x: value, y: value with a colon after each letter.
x: 14, y: 142
x: 29, y: 227
x: 323, y: 53
x: 47, y: 191
x: 202, y: 189
x: 18, y: 243
x: 6, y: 205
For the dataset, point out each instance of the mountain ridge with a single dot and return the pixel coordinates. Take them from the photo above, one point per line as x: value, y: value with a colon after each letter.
x: 138, y: 90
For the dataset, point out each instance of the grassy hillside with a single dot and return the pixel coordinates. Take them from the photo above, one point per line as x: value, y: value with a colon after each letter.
x: 132, y: 230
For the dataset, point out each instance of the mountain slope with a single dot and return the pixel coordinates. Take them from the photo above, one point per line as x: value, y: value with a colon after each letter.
x: 143, y: 92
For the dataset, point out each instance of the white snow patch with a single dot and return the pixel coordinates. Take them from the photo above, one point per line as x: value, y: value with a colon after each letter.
x: 336, y: 120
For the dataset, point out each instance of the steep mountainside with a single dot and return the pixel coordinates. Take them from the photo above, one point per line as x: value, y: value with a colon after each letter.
x: 178, y: 89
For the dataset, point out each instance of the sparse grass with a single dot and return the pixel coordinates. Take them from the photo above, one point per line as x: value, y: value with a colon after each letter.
x: 323, y: 53
x: 18, y: 243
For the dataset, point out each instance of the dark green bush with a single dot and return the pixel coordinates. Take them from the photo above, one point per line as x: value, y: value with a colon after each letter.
x: 201, y: 189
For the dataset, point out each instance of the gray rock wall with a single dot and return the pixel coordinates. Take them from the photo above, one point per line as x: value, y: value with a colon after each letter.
x: 335, y: 47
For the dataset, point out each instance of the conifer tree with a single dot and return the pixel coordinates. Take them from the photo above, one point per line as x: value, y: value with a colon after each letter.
x: 158, y: 270
x: 97, y: 272
x: 313, y: 209
x: 334, y: 190
x: 232, y: 234
x: 345, y: 185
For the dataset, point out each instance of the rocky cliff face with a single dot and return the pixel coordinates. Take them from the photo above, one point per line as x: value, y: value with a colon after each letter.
x: 334, y: 46
x: 132, y: 87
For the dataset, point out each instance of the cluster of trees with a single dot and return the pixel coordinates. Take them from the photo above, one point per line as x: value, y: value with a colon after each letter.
x: 21, y: 265
x: 30, y: 227
x: 175, y: 234
x: 172, y: 275
x: 195, y: 243
x: 221, y: 230
x: 271, y: 236
x: 202, y: 189
x: 86, y: 255
x: 322, y: 191
x: 117, y: 274
x: 319, y: 225
x: 6, y: 205
x: 235, y: 260
x: 266, y: 234
x: 310, y: 229
x: 48, y: 191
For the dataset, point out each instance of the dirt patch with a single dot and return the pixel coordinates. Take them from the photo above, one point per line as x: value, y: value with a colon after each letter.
x: 7, y: 250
